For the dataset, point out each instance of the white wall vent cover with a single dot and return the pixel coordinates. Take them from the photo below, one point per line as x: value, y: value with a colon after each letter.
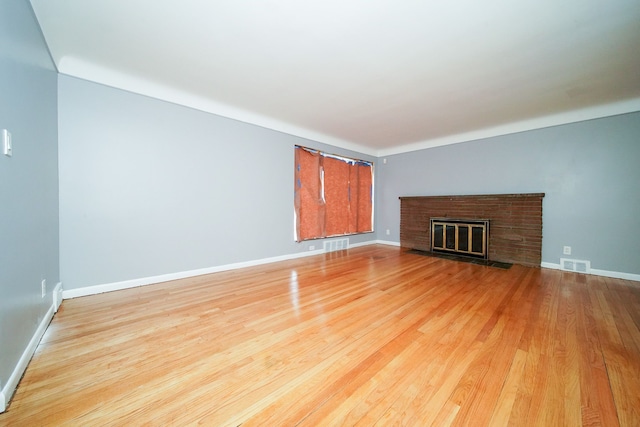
x: 576, y: 265
x: 336, y: 245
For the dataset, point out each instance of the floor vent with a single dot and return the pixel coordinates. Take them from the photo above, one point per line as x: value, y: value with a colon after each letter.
x: 576, y: 265
x: 336, y: 245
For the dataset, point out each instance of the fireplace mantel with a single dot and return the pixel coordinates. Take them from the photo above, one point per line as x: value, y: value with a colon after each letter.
x: 516, y: 222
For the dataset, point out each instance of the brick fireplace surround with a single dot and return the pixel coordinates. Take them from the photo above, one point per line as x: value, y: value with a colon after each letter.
x: 515, y: 222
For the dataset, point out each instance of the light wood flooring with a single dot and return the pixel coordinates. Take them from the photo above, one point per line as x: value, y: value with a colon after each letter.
x: 369, y: 336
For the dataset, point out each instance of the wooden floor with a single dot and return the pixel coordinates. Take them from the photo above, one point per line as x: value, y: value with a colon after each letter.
x: 369, y: 336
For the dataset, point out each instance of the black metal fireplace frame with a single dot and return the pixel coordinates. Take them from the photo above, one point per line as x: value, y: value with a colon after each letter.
x: 463, y: 237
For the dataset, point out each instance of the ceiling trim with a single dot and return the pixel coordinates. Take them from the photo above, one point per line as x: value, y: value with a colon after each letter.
x: 80, y: 69
x: 86, y: 71
x: 573, y: 116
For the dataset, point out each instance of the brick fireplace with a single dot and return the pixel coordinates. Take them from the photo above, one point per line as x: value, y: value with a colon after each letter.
x: 515, y: 220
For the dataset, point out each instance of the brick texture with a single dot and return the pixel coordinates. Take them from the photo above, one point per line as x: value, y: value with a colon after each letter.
x: 515, y: 222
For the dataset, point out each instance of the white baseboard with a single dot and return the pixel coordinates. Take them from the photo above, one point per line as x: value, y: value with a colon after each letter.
x: 21, y: 367
x: 387, y: 242
x: 126, y: 284
x: 596, y: 272
x: 108, y: 287
x: 616, y: 274
x: 550, y: 265
x: 57, y: 296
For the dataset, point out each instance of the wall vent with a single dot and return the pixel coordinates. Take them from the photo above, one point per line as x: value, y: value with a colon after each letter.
x: 576, y: 265
x: 336, y: 245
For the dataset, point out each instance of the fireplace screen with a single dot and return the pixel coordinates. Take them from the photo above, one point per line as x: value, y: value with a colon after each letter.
x: 462, y: 237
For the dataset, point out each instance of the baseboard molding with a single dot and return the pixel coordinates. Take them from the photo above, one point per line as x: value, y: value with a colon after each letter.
x: 616, y: 274
x: 387, y: 242
x: 21, y: 367
x: 134, y: 283
x: 127, y: 284
x: 597, y: 272
x: 550, y: 265
x: 57, y: 296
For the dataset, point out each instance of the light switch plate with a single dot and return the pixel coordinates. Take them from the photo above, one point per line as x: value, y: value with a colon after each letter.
x: 7, y: 146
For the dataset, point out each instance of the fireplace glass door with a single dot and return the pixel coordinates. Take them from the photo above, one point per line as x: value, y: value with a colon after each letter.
x: 459, y: 236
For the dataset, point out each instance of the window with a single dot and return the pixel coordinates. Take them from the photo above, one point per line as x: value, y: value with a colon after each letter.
x: 333, y: 195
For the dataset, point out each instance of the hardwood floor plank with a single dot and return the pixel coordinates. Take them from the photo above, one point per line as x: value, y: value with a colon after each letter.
x: 621, y: 359
x: 508, y: 394
x: 438, y: 383
x: 598, y: 407
x: 369, y: 336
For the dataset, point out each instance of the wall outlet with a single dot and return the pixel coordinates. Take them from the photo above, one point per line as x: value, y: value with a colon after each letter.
x: 566, y: 250
x: 388, y: 232
x: 312, y: 248
x: 44, y: 287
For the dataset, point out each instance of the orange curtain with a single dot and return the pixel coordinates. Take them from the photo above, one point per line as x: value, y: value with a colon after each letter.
x: 333, y: 196
x: 308, y: 197
x: 365, y: 197
x: 336, y: 195
x: 354, y: 181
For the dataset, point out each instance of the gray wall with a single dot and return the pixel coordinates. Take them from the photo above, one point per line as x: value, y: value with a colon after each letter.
x: 149, y: 188
x: 590, y: 172
x: 28, y: 181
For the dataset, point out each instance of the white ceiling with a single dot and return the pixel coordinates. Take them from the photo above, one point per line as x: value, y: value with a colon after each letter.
x: 377, y: 76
